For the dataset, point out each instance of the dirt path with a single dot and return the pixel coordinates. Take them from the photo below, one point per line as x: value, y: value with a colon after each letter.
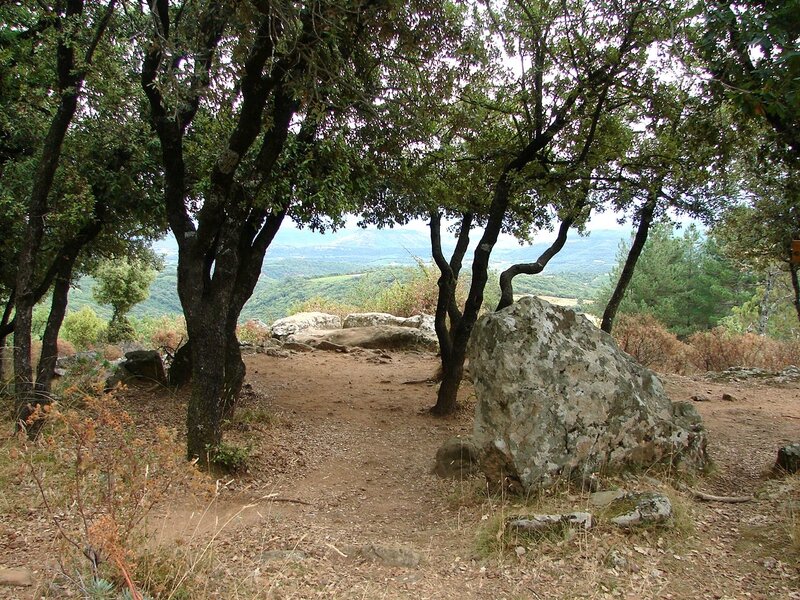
x: 341, y: 453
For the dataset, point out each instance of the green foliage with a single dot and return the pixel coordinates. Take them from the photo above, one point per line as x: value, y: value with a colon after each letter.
x: 83, y: 329
x: 683, y: 281
x: 228, y: 457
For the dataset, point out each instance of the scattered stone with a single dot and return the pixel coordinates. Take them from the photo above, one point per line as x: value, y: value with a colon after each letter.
x: 701, y: 398
x: 557, y: 398
x: 331, y: 347
x: 788, y: 460
x: 283, y: 328
x: 729, y: 397
x: 457, y: 458
x: 388, y: 556
x: 790, y: 374
x: 283, y: 555
x: 520, y: 551
x: 649, y: 508
x: 16, y: 577
x: 739, y: 374
x: 616, y: 560
x: 545, y: 523
x: 297, y: 347
x: 601, y: 499
x: 277, y: 353
x: 144, y: 364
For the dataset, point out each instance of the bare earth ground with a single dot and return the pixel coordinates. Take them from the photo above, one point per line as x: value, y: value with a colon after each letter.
x: 344, y: 459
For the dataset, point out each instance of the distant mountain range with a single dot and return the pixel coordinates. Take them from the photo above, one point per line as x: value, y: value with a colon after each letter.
x: 301, y: 252
x: 299, y: 263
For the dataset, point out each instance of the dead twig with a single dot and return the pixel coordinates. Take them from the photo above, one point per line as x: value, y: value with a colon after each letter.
x: 727, y: 499
x: 273, y: 498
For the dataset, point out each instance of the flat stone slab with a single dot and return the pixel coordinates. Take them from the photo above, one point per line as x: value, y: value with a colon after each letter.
x: 544, y: 523
x: 385, y: 555
x: 606, y: 497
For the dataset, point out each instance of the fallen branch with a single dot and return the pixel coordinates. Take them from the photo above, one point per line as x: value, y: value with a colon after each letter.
x: 273, y: 498
x: 727, y: 499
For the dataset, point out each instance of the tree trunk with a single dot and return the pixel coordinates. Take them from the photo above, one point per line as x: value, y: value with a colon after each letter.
x: 45, y: 371
x: 69, y: 82
x: 793, y: 269
x: 452, y: 374
x: 448, y: 315
x: 645, y: 220
x: 210, y: 399
x: 507, y: 276
x: 765, y: 306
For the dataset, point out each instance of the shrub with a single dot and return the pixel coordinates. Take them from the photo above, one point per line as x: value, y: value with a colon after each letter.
x: 97, y: 481
x: 415, y: 296
x: 167, y: 331
x: 720, y: 349
x: 324, y: 305
x: 650, y: 344
x: 65, y: 348
x: 228, y: 457
x: 253, y: 332
x: 84, y: 329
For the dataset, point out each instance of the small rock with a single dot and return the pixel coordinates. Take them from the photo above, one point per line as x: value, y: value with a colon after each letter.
x: 331, y: 347
x: 649, y: 509
x: 520, y: 551
x: 617, y: 560
x: 457, y: 458
x: 729, y: 397
x: 700, y: 398
x: 283, y: 555
x: 601, y: 499
x: 297, y: 347
x: 16, y: 577
x: 543, y: 523
x: 277, y: 353
x: 391, y: 557
x: 788, y: 460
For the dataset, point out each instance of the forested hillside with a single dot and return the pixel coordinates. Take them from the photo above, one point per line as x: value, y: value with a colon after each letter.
x: 350, y: 265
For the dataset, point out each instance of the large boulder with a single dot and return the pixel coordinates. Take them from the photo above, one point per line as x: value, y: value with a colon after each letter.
x: 283, y: 328
x: 558, y: 398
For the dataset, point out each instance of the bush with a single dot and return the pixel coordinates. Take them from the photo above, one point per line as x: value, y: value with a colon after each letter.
x: 415, y: 296
x: 253, y: 332
x: 83, y: 329
x: 229, y: 458
x: 167, y: 331
x: 98, y: 479
x: 324, y: 305
x: 721, y: 349
x: 650, y: 344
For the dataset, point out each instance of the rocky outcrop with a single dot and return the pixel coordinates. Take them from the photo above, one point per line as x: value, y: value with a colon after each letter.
x: 385, y: 337
x: 423, y: 322
x: 557, y: 397
x: 139, y: 364
x: 372, y: 319
x: 283, y: 328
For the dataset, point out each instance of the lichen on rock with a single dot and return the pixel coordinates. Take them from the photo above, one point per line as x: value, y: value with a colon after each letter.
x: 557, y: 398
